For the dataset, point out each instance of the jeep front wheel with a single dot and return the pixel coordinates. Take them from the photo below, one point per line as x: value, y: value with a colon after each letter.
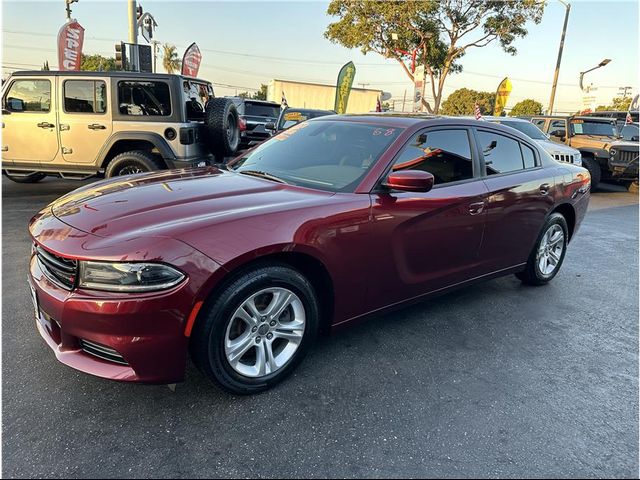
x: 129, y: 163
x: 594, y: 170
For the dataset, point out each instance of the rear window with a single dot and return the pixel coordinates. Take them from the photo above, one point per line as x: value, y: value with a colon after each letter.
x: 261, y: 110
x: 144, y: 98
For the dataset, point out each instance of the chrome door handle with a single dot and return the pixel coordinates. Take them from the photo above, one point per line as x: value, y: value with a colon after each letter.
x: 476, y: 208
x: 96, y: 126
x: 46, y: 125
x: 544, y: 188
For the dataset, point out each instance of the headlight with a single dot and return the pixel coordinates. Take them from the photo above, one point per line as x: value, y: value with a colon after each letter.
x: 128, y: 277
x: 612, y: 152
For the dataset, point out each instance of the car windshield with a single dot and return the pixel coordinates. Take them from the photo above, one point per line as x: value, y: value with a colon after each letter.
x: 292, y: 117
x: 261, y: 110
x: 527, y: 128
x: 327, y: 155
x: 586, y: 127
x: 629, y: 132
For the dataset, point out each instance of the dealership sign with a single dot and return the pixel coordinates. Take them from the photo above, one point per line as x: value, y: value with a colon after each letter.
x: 191, y: 61
x: 70, y: 38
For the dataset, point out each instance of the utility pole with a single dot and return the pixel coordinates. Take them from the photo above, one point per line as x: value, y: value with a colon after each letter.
x: 68, y: 8
x: 404, y: 99
x: 623, y: 91
x: 364, y: 84
x: 133, y: 35
x: 557, y: 72
x: 155, y: 44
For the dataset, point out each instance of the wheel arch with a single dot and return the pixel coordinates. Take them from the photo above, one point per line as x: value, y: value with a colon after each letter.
x: 306, y: 262
x: 126, y: 141
x: 569, y: 214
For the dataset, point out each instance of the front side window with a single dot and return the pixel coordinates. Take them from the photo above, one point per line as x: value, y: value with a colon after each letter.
x: 629, y: 132
x: 446, y: 154
x: 85, y: 96
x: 327, y: 155
x: 144, y: 98
x: 501, y: 154
x: 29, y: 96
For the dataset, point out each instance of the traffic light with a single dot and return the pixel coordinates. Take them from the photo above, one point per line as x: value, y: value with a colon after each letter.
x: 121, y: 56
x: 145, y: 58
x: 138, y: 12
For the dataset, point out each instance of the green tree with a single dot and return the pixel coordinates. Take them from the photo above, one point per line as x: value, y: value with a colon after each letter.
x: 441, y: 31
x: 617, y: 103
x: 170, y: 60
x: 45, y: 65
x: 262, y: 93
x: 97, y: 63
x: 463, y: 101
x: 526, y: 107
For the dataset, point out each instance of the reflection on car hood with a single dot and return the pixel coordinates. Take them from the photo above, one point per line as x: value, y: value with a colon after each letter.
x: 172, y: 202
x: 554, y: 148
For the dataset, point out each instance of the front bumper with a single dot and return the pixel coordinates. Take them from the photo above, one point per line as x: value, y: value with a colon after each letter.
x: 142, y: 334
x: 624, y: 165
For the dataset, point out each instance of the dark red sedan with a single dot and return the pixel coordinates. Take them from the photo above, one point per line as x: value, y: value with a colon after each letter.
x: 329, y: 221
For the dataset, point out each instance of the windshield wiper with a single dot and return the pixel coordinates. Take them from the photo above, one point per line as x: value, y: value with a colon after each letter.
x: 258, y: 173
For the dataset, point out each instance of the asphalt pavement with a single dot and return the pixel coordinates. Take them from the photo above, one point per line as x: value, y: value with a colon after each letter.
x: 495, y: 380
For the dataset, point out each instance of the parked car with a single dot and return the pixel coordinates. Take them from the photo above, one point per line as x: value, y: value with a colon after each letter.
x: 329, y: 221
x: 81, y: 124
x: 292, y: 116
x: 623, y: 155
x: 620, y: 116
x: 592, y: 136
x: 254, y: 116
x: 562, y: 153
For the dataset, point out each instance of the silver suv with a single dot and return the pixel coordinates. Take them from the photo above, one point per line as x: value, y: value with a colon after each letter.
x: 81, y: 124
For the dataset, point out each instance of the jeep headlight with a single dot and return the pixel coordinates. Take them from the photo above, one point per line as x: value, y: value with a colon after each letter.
x: 128, y: 277
x: 612, y: 152
x: 577, y: 158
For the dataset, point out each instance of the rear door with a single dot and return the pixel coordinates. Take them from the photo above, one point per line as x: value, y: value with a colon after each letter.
x: 424, y: 241
x: 29, y: 124
x: 85, y: 122
x: 520, y: 195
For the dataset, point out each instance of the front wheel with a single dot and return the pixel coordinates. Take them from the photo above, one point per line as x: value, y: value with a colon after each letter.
x: 548, y: 253
x: 257, y: 330
x: 594, y: 170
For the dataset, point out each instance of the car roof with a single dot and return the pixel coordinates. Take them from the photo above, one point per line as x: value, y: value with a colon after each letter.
x: 113, y: 73
x: 253, y: 100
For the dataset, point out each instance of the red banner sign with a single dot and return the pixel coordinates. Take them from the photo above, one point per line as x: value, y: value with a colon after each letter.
x: 191, y: 61
x: 70, y: 38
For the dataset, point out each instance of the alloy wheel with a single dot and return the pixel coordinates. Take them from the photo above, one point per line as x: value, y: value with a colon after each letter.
x: 550, y: 250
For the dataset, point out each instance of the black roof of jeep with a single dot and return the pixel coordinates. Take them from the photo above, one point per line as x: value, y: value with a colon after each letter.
x: 117, y: 74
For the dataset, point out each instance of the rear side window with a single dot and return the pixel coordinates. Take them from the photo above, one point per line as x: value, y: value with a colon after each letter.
x: 501, y: 154
x: 29, y: 96
x: 261, y: 110
x: 85, y: 96
x: 446, y: 154
x: 528, y: 156
x: 144, y: 98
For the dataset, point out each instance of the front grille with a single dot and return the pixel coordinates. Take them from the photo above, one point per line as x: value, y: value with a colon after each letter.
x: 102, y: 352
x: 626, y: 156
x: 61, y: 271
x: 563, y: 158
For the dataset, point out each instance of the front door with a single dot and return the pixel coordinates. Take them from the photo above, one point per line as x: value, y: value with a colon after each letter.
x: 422, y: 242
x: 85, y: 122
x: 29, y: 126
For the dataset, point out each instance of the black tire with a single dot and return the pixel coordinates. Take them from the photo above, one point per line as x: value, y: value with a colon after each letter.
x: 221, y: 132
x: 594, y: 170
x: 532, y: 275
x: 207, y: 343
x: 128, y: 163
x: 32, y: 178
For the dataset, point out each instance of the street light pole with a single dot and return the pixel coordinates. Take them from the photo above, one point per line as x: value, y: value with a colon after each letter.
x: 133, y: 34
x: 601, y: 64
x: 557, y: 72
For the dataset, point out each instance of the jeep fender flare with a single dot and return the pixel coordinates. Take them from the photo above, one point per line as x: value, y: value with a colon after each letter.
x: 154, y: 138
x: 597, y: 153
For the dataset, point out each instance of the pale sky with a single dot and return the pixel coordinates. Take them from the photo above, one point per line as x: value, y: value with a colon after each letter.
x: 245, y: 44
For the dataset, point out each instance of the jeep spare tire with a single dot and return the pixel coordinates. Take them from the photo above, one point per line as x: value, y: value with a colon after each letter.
x: 221, y: 130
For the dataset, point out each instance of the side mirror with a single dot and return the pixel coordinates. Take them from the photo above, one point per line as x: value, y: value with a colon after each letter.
x: 410, y: 181
x: 270, y: 126
x: 15, y: 104
x: 635, y: 138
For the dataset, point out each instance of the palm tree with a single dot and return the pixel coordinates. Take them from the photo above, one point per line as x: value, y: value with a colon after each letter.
x: 170, y: 59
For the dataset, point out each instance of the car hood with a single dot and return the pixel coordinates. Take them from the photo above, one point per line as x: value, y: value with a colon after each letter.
x: 556, y: 148
x: 171, y: 203
x: 626, y: 144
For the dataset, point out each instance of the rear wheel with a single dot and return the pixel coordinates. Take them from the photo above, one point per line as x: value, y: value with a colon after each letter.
x: 594, y: 170
x: 548, y: 253
x: 257, y: 330
x: 129, y: 163
x: 31, y: 178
